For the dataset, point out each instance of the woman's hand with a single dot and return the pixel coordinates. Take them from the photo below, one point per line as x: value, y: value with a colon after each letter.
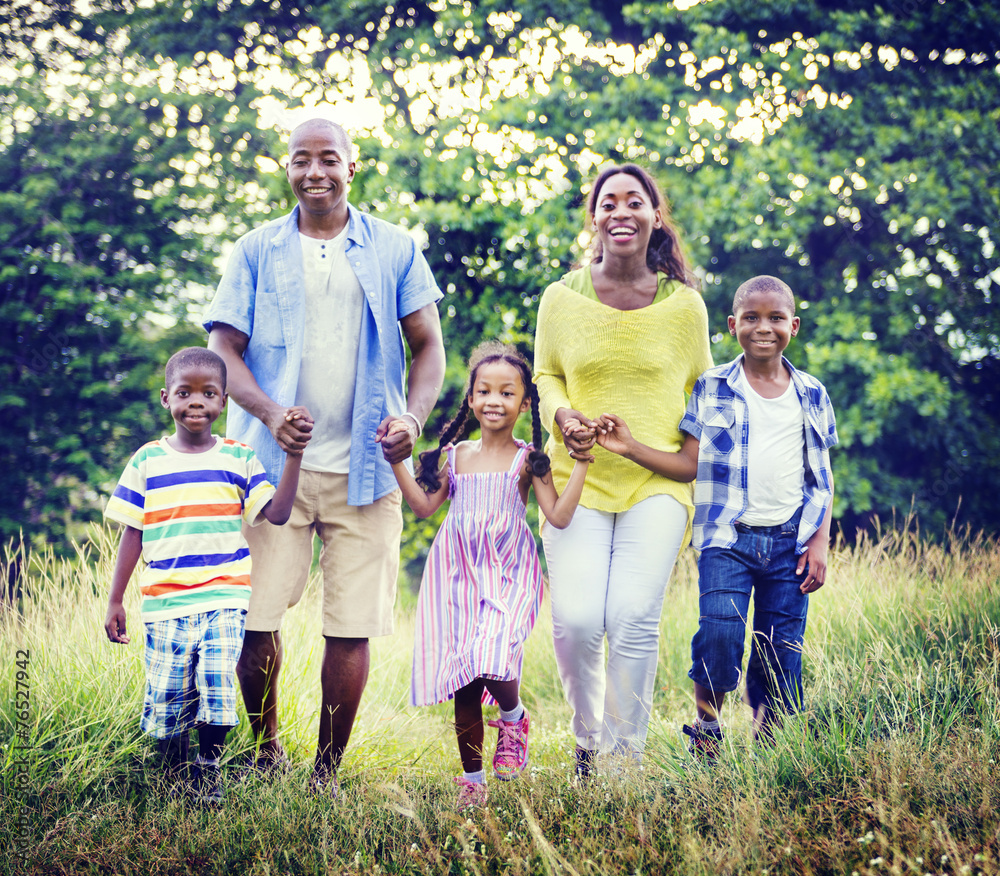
x: 578, y: 432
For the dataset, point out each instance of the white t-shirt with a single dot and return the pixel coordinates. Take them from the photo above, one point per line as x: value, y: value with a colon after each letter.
x: 775, y: 456
x: 329, y: 369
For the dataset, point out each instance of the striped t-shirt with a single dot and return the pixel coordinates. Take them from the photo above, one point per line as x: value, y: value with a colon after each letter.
x: 190, y: 508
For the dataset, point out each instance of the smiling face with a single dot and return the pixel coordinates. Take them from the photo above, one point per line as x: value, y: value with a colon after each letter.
x: 319, y: 170
x: 498, y: 397
x: 195, y: 398
x: 764, y: 323
x: 624, y: 216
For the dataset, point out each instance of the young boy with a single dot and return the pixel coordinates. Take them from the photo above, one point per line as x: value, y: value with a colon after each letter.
x: 182, y: 501
x: 758, y: 438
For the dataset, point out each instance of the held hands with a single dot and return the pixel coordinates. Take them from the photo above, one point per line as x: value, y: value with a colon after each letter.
x: 114, y: 624
x: 398, y: 437
x: 613, y: 434
x: 578, y: 432
x: 291, y: 428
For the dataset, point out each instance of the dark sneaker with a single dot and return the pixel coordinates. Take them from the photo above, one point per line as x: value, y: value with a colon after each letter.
x: 261, y: 765
x: 705, y: 744
x: 585, y: 763
x: 323, y: 783
x: 204, y: 787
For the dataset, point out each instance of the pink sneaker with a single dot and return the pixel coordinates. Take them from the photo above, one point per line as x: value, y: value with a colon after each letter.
x: 471, y: 795
x: 511, y: 756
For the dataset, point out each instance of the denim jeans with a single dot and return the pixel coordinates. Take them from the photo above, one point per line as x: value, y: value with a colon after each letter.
x: 762, y: 562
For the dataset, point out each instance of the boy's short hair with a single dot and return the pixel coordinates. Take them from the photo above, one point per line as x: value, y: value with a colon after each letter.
x: 200, y: 357
x: 763, y: 283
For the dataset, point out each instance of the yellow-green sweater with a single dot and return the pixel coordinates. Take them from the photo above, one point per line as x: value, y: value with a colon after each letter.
x: 638, y: 364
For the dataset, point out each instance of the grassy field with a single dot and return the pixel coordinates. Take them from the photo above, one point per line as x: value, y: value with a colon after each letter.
x: 891, y: 770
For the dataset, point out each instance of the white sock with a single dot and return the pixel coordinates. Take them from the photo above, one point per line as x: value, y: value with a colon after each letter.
x: 477, y: 778
x: 513, y: 715
x: 702, y: 724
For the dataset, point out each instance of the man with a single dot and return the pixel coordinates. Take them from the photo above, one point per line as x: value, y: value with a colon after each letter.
x: 309, y: 312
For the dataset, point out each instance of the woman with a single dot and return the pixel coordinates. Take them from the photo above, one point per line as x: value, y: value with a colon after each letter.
x: 625, y: 335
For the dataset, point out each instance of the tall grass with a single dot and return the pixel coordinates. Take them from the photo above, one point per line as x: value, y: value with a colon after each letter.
x: 892, y: 767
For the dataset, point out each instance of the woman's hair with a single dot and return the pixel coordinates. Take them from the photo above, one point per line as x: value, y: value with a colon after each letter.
x: 462, y: 425
x: 665, y: 252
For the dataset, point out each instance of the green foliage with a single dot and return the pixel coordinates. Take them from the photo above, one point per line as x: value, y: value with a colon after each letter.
x: 851, y: 151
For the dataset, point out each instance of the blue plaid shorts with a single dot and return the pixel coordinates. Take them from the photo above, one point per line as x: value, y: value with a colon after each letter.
x: 191, y: 671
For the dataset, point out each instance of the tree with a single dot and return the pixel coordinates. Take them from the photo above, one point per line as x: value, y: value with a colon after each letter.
x: 103, y: 179
x: 849, y: 148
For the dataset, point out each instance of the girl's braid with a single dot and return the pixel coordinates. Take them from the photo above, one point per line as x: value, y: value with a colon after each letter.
x: 538, y: 459
x: 458, y: 428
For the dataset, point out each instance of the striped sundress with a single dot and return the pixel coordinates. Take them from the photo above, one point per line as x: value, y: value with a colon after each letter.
x: 481, y: 589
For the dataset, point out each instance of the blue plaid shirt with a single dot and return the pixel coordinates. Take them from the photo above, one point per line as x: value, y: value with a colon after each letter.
x: 718, y: 416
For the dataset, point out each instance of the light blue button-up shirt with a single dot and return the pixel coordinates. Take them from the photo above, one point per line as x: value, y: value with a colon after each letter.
x: 718, y: 416
x: 262, y: 294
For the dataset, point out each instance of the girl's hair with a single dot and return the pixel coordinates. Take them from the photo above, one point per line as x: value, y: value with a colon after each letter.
x: 665, y: 252
x: 463, y: 423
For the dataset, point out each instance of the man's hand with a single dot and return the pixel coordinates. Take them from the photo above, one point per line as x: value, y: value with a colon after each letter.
x: 398, y: 437
x: 291, y: 428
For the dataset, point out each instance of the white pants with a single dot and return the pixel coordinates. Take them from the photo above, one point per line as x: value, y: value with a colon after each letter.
x: 608, y: 574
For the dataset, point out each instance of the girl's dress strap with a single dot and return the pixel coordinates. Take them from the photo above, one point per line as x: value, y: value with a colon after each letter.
x: 519, y: 457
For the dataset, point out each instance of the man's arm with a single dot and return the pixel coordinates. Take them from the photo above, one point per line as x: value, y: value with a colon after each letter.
x: 422, y: 330
x: 230, y: 343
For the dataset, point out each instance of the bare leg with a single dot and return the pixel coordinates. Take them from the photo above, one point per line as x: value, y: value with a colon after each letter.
x: 343, y: 677
x: 258, y: 669
x: 469, y: 725
x: 506, y: 693
x: 709, y: 702
x: 211, y: 740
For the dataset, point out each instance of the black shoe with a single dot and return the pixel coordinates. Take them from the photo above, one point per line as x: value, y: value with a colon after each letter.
x: 323, y: 783
x: 585, y: 762
x: 705, y: 744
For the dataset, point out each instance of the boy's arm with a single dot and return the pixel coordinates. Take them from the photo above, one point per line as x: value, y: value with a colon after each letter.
x: 814, y: 556
x: 129, y: 551
x: 279, y: 508
x: 559, y: 510
x: 614, y: 434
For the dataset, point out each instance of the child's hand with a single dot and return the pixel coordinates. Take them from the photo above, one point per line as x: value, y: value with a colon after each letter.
x: 613, y: 434
x: 301, y: 419
x: 579, y: 438
x: 397, y: 426
x: 114, y: 623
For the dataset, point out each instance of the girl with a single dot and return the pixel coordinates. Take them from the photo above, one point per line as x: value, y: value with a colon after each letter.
x: 482, y: 585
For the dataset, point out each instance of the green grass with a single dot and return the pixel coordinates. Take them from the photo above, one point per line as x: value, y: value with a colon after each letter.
x: 892, y: 768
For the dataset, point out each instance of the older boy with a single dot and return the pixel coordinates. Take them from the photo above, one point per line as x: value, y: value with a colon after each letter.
x: 182, y: 501
x: 310, y: 311
x: 759, y: 434
x: 762, y: 514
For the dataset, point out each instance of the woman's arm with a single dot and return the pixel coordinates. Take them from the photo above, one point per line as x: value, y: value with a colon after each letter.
x: 613, y: 434
x: 559, y: 509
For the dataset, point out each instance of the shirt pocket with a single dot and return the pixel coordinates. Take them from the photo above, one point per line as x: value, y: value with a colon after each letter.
x: 267, y: 328
x: 719, y: 430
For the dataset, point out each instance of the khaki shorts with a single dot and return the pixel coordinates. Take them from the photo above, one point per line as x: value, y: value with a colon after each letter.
x: 359, y: 560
